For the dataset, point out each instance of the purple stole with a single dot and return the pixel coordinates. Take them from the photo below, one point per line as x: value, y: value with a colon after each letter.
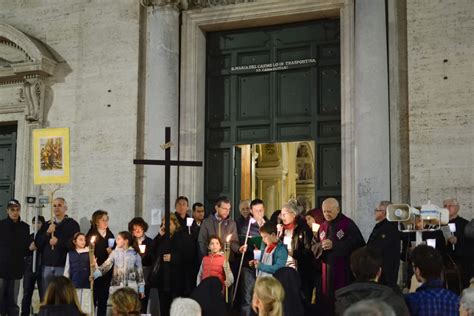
x: 334, y: 274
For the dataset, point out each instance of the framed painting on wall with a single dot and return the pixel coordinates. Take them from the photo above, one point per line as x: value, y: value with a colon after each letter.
x: 51, y: 156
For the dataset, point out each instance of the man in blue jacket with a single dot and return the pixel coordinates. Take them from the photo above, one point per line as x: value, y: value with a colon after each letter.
x: 14, y: 243
x: 54, y: 240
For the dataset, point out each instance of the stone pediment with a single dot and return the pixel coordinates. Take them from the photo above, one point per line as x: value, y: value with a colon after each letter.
x: 23, y: 56
x: 25, y: 64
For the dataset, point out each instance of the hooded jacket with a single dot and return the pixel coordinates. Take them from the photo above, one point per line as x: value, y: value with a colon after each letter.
x: 359, y: 291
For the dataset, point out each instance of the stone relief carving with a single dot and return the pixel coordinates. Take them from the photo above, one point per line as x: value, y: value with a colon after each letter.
x: 33, y: 91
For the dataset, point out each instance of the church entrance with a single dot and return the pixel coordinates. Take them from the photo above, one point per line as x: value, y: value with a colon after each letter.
x: 274, y: 88
x: 276, y: 173
x: 7, y: 166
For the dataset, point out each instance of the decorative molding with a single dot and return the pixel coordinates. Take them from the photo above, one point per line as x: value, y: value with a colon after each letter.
x: 26, y: 62
x: 179, y: 4
x: 33, y: 90
x: 254, y: 14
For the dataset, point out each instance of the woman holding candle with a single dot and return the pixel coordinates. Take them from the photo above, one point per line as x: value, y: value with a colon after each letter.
x: 103, y: 244
x: 127, y: 266
x: 78, y: 268
x: 171, y: 255
x: 138, y: 227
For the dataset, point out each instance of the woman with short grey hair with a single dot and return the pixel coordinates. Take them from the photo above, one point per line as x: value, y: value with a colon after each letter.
x: 466, y: 306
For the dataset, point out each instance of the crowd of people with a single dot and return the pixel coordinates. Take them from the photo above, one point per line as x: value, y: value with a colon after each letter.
x: 298, y: 262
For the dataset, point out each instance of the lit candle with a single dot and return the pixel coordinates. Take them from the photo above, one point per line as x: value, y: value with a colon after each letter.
x: 189, y: 223
x: 142, y: 248
x: 315, y: 227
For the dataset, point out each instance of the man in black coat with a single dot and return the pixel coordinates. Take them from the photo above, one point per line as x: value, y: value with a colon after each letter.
x: 54, y: 240
x: 385, y: 240
x: 459, y: 248
x: 14, y: 243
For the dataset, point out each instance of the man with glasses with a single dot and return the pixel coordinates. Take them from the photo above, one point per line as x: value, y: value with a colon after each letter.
x: 54, y: 240
x: 219, y: 224
x: 459, y: 247
x: 14, y: 243
x: 385, y: 240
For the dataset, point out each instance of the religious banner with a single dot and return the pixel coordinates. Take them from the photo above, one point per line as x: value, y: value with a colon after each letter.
x: 51, y: 156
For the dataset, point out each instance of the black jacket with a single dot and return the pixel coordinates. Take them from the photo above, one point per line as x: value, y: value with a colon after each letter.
x: 301, y: 245
x: 174, y: 276
x: 65, y: 231
x: 359, y: 291
x: 59, y: 310
x: 101, y: 244
x: 14, y: 243
x: 293, y: 303
x: 209, y: 297
x: 385, y: 240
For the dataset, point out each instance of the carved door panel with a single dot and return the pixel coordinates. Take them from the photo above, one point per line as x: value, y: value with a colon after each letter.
x: 274, y: 84
x: 7, y: 166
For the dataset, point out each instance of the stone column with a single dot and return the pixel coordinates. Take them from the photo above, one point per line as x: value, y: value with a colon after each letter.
x: 160, y: 105
x: 371, y: 112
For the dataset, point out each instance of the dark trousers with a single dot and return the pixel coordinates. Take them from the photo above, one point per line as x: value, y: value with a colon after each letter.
x: 9, y: 297
x: 29, y: 281
x: 101, y: 293
x: 248, y: 279
x: 165, y: 302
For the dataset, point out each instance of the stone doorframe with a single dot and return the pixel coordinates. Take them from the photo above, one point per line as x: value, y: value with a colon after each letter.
x: 27, y: 67
x: 263, y: 13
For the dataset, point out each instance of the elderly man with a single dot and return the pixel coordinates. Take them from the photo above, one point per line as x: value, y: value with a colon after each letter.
x: 459, y: 247
x: 297, y: 236
x: 14, y: 243
x: 385, y: 240
x: 337, y: 238
x: 243, y: 220
x: 54, y: 240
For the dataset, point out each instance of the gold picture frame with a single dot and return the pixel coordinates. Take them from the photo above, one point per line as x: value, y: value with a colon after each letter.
x: 51, y: 156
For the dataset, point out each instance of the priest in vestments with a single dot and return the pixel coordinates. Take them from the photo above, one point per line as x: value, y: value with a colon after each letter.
x: 337, y: 238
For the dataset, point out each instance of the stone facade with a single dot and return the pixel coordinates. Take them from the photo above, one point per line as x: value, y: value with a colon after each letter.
x: 441, y: 112
x: 116, y: 84
x: 94, y: 92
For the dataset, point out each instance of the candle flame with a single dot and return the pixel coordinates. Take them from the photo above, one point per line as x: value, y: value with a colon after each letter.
x: 228, y: 238
x: 93, y: 239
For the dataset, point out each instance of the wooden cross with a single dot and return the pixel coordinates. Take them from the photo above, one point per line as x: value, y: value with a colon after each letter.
x: 167, y: 163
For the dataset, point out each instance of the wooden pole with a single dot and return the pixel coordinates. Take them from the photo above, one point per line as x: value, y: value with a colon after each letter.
x: 92, y: 268
x: 251, y: 221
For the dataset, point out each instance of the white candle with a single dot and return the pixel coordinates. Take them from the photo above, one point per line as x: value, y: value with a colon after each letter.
x: 142, y: 248
x: 189, y: 221
x: 431, y: 242
x: 315, y: 227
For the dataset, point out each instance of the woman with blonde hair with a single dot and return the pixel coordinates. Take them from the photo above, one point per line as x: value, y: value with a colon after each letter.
x: 60, y: 299
x: 125, y: 301
x: 268, y: 296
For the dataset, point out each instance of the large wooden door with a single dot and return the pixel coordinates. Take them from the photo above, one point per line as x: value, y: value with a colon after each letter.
x: 273, y: 84
x: 7, y: 166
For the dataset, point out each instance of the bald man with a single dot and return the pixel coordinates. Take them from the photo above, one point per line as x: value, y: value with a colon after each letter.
x: 337, y: 238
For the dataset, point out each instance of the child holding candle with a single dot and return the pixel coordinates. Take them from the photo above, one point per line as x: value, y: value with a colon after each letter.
x: 127, y: 266
x: 273, y: 253
x: 215, y: 264
x: 78, y: 269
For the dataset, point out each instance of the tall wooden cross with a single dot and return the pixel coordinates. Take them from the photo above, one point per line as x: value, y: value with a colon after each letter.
x: 167, y: 163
